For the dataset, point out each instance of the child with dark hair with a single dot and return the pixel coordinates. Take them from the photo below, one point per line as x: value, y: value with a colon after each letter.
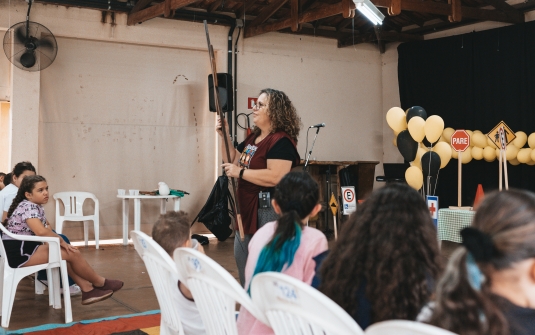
x: 2, y: 176
x: 386, y: 259
x: 26, y: 217
x: 171, y: 231
x: 7, y: 195
x: 7, y: 179
x: 489, y: 284
x: 287, y: 245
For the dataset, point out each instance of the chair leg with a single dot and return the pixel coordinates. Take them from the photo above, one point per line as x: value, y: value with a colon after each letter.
x: 39, y: 287
x: 51, y: 287
x: 66, y: 293
x: 96, y: 225
x: 10, y: 287
x: 86, y: 233
x: 56, y: 294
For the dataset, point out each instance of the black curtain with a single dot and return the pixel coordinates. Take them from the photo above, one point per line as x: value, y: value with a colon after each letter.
x: 473, y: 81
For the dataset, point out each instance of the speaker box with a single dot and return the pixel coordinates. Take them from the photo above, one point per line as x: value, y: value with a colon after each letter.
x: 226, y: 93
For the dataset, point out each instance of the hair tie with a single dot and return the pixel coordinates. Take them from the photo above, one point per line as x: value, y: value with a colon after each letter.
x: 474, y: 274
x: 479, y: 244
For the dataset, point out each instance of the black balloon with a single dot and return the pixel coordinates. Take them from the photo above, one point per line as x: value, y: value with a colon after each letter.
x: 430, y: 163
x: 407, y: 146
x: 416, y: 111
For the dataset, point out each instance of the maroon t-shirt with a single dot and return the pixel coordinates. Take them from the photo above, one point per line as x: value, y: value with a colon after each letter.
x: 254, y: 156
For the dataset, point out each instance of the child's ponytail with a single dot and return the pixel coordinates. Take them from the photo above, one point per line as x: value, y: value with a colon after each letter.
x: 297, y: 194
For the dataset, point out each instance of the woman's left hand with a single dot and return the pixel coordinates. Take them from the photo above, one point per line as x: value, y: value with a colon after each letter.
x: 231, y: 170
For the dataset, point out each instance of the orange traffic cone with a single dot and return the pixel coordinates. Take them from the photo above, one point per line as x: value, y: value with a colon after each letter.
x: 479, y: 196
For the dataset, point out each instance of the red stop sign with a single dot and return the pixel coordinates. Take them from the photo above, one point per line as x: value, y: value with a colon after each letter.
x: 460, y: 140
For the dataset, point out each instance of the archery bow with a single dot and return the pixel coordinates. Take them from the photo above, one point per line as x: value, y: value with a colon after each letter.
x: 223, y: 130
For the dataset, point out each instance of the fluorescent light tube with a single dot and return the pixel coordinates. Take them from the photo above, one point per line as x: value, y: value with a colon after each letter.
x: 368, y: 9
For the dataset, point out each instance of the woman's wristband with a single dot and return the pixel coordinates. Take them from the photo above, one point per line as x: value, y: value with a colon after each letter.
x: 241, y: 173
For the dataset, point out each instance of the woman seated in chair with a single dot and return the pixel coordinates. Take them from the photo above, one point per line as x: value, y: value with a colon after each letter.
x: 286, y: 245
x: 386, y: 260
x: 26, y: 217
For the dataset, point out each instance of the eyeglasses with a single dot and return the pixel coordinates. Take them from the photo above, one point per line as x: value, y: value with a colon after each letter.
x: 259, y: 105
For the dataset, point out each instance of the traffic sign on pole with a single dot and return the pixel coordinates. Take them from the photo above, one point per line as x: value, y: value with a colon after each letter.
x: 460, y: 140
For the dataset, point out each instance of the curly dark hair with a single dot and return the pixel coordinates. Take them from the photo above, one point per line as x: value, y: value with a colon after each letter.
x: 389, y: 244
x: 27, y: 185
x: 282, y: 114
x: 508, y: 218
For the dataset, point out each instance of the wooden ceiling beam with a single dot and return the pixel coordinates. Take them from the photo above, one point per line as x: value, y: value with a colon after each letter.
x: 314, y: 14
x: 140, y: 4
x: 439, y: 8
x: 156, y: 10
x: 214, y: 5
x: 503, y: 6
x: 413, y: 18
x: 378, y: 35
x: 267, y: 12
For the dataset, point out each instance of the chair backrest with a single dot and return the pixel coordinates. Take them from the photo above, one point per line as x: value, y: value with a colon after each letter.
x: 404, y: 327
x: 164, y: 278
x: 294, y: 307
x: 74, y: 202
x: 215, y: 291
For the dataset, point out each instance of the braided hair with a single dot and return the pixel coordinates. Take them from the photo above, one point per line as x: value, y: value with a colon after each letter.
x: 27, y: 185
x: 296, y: 194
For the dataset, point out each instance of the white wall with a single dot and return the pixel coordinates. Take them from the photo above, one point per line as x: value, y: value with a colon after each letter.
x: 96, y: 83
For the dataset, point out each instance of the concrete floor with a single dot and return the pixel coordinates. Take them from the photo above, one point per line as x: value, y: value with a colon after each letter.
x: 112, y: 261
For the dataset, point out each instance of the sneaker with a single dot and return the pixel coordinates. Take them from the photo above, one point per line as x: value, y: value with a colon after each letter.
x: 75, y: 290
x: 111, y: 284
x: 95, y: 295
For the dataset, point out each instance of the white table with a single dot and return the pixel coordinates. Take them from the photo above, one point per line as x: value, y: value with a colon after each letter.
x: 137, y: 209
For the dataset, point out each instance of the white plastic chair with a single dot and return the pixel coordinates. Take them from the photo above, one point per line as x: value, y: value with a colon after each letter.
x: 295, y: 308
x: 74, y: 203
x: 54, y: 267
x: 215, y: 292
x: 164, y: 277
x: 404, y: 327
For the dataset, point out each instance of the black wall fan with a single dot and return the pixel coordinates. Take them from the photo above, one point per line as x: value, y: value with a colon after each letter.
x: 30, y: 46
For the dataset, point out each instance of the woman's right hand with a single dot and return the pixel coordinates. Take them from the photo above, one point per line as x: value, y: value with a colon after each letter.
x: 218, y: 126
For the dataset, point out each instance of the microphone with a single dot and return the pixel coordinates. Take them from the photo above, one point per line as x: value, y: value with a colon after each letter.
x: 319, y: 125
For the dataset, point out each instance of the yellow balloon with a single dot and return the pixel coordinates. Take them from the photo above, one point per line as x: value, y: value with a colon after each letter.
x: 531, y: 162
x: 422, y: 145
x: 489, y: 153
x: 454, y: 154
x: 533, y: 155
x: 477, y: 132
x: 510, y: 152
x: 477, y: 153
x: 417, y: 164
x: 414, y: 177
x: 524, y: 155
x: 416, y: 128
x: 531, y: 140
x: 466, y: 156
x: 396, y: 119
x: 395, y: 141
x: 434, y: 125
x: 446, y: 134
x: 444, y: 150
x: 520, y: 140
x: 478, y: 140
x: 471, y: 134
x: 514, y: 162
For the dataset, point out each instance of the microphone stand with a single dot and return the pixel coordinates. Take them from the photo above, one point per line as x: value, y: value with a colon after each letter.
x: 310, y: 152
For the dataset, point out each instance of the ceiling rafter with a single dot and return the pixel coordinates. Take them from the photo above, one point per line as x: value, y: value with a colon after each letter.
x: 267, y: 12
x: 439, y: 8
x: 157, y: 10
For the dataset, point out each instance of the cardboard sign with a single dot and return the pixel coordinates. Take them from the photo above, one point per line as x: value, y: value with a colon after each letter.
x: 508, y: 134
x: 432, y: 204
x: 349, y: 201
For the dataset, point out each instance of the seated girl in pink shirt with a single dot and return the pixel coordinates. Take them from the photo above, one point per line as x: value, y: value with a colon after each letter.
x: 288, y: 244
x: 27, y: 217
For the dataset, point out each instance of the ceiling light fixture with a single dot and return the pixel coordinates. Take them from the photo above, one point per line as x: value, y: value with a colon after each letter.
x: 368, y: 9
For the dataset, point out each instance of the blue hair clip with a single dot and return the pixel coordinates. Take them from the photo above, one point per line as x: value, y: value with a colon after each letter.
x: 475, y: 277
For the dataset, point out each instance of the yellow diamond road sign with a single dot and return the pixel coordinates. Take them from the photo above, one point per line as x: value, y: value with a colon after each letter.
x: 333, y: 204
x: 494, y: 134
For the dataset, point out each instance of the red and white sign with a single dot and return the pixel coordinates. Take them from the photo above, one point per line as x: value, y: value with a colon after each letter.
x: 349, y: 202
x: 460, y: 140
x: 251, y: 102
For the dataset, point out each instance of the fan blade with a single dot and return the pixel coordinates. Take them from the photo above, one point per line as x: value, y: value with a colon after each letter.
x: 20, y: 34
x: 46, y: 43
x: 28, y: 59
